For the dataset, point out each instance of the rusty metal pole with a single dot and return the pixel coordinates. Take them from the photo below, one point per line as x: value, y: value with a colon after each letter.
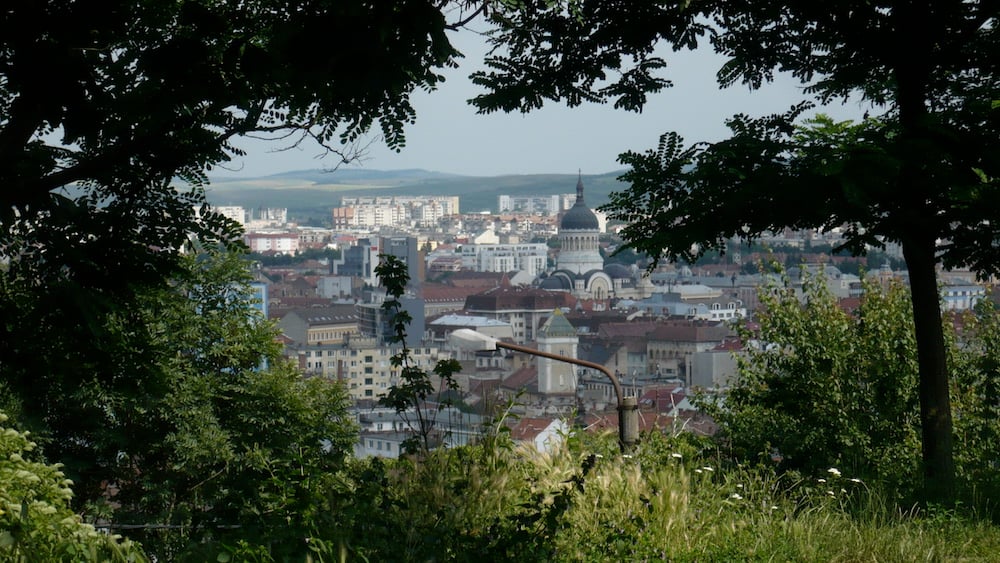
x: 628, y: 423
x: 628, y: 407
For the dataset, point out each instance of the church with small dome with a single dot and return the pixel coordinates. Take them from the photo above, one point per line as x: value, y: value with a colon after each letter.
x: 580, y: 267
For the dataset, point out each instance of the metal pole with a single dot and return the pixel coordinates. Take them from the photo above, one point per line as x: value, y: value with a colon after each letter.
x: 628, y: 407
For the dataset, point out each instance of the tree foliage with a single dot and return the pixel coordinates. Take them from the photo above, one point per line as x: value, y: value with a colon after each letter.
x: 825, y: 387
x: 193, y: 420
x: 923, y: 171
x: 132, y: 363
x: 36, y: 521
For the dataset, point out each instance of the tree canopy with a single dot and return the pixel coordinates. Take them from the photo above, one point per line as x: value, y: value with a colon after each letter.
x: 104, y: 104
x: 922, y: 172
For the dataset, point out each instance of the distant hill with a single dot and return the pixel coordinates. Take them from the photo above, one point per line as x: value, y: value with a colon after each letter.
x: 314, y: 192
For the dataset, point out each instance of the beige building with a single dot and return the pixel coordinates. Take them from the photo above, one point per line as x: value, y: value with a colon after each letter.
x: 364, y: 366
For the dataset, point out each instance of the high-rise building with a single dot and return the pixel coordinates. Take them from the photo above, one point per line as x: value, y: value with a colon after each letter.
x: 359, y: 261
x: 407, y: 249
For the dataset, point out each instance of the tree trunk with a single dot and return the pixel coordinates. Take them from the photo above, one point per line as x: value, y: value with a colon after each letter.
x: 935, y: 403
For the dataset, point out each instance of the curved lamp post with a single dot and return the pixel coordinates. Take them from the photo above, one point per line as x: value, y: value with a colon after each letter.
x: 628, y: 407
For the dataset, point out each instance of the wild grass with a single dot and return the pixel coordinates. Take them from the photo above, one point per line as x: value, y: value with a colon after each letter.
x: 666, y: 502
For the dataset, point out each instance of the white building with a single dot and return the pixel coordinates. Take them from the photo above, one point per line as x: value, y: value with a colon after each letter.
x: 393, y: 211
x: 544, y: 205
x: 234, y: 212
x: 276, y: 242
x: 529, y: 258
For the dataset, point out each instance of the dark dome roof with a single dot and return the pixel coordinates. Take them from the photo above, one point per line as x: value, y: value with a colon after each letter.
x: 617, y: 271
x: 556, y: 282
x: 579, y: 217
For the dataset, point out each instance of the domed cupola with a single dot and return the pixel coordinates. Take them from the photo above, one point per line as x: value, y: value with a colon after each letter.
x: 579, y: 217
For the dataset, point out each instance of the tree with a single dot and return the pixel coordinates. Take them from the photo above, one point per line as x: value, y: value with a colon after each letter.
x: 822, y: 387
x: 414, y: 396
x: 191, y: 417
x: 922, y: 172
x: 102, y: 106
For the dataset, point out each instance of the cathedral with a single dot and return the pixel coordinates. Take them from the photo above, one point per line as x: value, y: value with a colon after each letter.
x: 580, y: 267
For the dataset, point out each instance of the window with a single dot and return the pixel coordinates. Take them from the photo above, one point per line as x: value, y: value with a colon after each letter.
x: 368, y: 381
x: 368, y: 369
x: 368, y: 359
x: 369, y: 393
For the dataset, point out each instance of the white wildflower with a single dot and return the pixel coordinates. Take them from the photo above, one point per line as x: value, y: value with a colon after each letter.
x: 855, y: 480
x: 676, y: 455
x: 707, y: 468
x: 821, y: 480
x: 736, y: 496
x: 833, y: 471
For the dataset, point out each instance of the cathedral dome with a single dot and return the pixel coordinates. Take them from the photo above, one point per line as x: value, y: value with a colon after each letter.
x: 617, y: 271
x: 579, y: 217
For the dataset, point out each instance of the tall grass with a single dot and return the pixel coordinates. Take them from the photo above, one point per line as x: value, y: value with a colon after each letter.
x: 667, y: 501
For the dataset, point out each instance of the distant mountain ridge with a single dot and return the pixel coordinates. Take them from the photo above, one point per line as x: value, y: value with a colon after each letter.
x: 308, y: 192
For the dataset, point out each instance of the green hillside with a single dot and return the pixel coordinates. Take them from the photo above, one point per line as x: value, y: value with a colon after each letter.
x: 313, y: 193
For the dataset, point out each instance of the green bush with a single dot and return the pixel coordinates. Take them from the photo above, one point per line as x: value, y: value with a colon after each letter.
x: 36, y: 521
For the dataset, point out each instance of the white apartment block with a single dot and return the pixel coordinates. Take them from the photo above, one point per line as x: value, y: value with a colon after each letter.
x: 544, y: 205
x: 267, y: 218
x: 530, y: 258
x: 394, y: 211
x: 277, y: 242
x: 234, y: 212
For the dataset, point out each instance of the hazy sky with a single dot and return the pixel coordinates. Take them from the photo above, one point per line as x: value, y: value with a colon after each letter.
x: 449, y: 137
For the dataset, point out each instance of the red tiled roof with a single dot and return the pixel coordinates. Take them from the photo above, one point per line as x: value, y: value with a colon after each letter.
x: 435, y: 292
x: 522, y: 378
x: 620, y: 331
x: 690, y: 331
x: 518, y: 297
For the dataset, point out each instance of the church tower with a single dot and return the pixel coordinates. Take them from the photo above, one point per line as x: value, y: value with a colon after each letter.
x: 557, y: 336
x: 578, y: 235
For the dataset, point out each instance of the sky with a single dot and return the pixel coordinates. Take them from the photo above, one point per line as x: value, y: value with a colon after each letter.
x: 449, y: 136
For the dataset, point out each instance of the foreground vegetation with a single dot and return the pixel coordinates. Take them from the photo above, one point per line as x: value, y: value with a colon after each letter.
x: 668, y: 501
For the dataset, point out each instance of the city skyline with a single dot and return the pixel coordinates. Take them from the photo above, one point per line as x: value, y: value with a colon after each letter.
x: 448, y: 136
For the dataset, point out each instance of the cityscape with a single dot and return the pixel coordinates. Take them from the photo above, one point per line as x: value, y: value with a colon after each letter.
x: 541, y: 272
x: 475, y: 280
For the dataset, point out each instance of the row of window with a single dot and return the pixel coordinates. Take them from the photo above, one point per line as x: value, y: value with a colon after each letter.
x: 354, y: 353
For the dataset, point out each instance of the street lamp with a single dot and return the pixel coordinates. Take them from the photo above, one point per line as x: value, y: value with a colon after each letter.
x: 628, y: 407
